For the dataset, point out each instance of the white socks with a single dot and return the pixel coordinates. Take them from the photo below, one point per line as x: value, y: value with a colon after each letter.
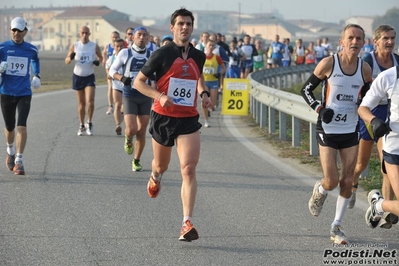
x: 340, y: 209
x: 18, y: 158
x: 11, y: 149
x: 185, y: 218
x: 156, y: 178
x: 378, y: 206
x: 322, y: 190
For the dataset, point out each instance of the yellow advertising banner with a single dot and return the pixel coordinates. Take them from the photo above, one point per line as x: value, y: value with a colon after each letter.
x: 235, y: 97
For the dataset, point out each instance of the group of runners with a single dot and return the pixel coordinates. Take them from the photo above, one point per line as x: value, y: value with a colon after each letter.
x: 353, y: 87
x: 160, y: 87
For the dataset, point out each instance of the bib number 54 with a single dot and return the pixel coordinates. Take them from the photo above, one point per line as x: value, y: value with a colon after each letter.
x: 340, y: 117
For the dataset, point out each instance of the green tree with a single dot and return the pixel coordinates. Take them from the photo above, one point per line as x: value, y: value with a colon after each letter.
x: 391, y: 18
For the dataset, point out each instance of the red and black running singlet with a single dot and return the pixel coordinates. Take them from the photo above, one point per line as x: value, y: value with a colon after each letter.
x: 177, y: 78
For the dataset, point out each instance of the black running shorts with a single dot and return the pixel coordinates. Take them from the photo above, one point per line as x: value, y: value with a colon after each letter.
x: 138, y: 105
x: 10, y: 105
x: 165, y: 129
x: 337, y: 141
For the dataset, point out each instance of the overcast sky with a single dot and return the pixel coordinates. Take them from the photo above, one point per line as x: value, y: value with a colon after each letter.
x: 323, y: 10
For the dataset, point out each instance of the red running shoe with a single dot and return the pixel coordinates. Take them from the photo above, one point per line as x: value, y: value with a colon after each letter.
x: 154, y: 186
x: 188, y: 232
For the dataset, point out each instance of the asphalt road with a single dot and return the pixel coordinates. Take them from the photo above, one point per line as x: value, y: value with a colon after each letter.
x: 80, y: 203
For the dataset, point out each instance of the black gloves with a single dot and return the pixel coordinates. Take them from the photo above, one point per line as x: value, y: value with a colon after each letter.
x: 217, y: 75
x: 96, y: 62
x: 362, y: 93
x: 126, y: 80
x: 72, y: 55
x: 326, y: 114
x: 380, y: 128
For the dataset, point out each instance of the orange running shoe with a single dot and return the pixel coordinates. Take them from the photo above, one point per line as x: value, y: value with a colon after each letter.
x: 154, y: 186
x: 188, y: 232
x: 19, y: 169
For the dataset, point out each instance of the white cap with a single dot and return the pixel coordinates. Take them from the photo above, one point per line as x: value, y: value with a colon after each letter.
x: 18, y: 23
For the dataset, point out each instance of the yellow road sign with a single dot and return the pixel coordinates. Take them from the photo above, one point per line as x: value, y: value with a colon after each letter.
x: 235, y: 96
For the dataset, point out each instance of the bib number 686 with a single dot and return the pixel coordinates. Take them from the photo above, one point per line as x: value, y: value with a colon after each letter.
x: 182, y: 93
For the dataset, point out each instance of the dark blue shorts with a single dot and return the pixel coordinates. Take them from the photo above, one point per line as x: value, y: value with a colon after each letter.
x: 285, y: 63
x: 277, y: 61
x: 165, y: 129
x: 389, y: 158
x: 233, y: 72
x: 366, y: 133
x: 246, y: 64
x: 79, y: 83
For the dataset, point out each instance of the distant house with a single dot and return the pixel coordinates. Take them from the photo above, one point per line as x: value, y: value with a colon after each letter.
x: 35, y: 17
x: 63, y: 30
x: 57, y: 28
x: 209, y: 20
x: 263, y: 25
x: 268, y: 27
x: 365, y: 22
x: 318, y: 27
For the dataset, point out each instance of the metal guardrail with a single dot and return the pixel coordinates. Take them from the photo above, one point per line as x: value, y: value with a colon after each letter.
x: 266, y: 99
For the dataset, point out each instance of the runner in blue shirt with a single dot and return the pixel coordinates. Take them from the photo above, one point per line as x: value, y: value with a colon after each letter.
x: 17, y: 57
x: 367, y: 48
x: 277, y: 54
